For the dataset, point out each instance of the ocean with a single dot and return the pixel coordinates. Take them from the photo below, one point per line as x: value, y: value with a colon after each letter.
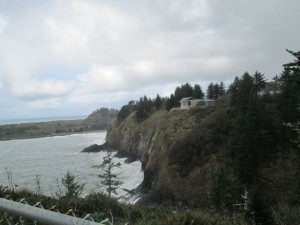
x: 37, y: 120
x: 50, y: 158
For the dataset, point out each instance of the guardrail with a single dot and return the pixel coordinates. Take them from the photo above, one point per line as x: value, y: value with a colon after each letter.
x: 42, y: 215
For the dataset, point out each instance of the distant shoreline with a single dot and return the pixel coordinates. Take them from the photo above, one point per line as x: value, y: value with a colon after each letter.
x: 42, y: 119
x: 53, y: 135
x: 44, y: 129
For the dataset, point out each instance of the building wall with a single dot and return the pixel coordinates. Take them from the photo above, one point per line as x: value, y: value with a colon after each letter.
x: 194, y: 102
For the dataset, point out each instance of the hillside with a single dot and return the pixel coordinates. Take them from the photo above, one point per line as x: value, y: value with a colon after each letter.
x: 183, y: 151
x: 248, y: 143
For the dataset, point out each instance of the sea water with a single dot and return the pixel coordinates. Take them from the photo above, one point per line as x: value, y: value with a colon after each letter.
x: 48, y: 159
x: 37, y: 120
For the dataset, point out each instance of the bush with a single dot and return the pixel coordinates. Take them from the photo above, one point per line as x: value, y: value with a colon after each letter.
x: 284, y: 214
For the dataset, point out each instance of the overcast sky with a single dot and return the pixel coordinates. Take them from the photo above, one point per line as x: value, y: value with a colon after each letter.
x: 70, y: 57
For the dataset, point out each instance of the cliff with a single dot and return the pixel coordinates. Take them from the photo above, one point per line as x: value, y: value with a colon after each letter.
x: 135, y: 140
x: 183, y: 151
x: 154, y: 142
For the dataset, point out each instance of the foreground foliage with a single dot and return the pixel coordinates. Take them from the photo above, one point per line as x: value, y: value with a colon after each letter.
x: 100, y: 206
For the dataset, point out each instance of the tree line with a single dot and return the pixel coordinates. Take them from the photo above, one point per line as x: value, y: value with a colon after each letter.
x: 264, y: 122
x: 146, y: 106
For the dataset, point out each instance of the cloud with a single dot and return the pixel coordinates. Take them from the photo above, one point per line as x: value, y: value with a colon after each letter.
x: 61, y: 54
x: 35, y: 89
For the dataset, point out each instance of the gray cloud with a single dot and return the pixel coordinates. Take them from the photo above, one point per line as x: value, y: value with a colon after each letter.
x: 62, y: 54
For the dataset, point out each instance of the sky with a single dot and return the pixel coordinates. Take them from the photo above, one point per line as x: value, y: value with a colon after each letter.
x: 71, y: 57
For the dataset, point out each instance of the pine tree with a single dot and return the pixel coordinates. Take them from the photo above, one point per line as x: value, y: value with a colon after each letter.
x: 210, y: 91
x: 216, y: 91
x: 289, y: 82
x: 143, y: 108
x: 73, y: 188
x: 158, y: 102
x: 259, y: 82
x: 252, y: 135
x: 170, y: 102
x: 222, y: 89
x: 219, y: 191
x: 126, y: 110
x: 108, y: 178
x: 197, y: 93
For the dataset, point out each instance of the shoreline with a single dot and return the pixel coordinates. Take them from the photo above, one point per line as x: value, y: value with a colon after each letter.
x: 50, y: 135
x: 45, y: 129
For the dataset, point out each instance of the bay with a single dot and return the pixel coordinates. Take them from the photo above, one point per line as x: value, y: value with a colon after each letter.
x: 50, y: 158
x: 38, y: 120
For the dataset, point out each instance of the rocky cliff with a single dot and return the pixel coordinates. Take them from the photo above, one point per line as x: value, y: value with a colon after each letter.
x: 182, y: 151
x: 155, y: 140
x: 135, y: 140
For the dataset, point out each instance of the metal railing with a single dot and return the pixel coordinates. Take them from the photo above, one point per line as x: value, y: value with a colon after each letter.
x: 41, y: 215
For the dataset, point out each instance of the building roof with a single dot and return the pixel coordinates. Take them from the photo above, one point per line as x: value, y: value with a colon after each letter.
x: 186, y: 99
x: 192, y: 98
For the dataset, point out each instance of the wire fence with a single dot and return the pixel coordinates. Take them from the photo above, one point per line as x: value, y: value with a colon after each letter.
x: 21, y: 213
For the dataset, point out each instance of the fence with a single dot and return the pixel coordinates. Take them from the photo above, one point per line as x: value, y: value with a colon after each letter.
x: 40, y: 215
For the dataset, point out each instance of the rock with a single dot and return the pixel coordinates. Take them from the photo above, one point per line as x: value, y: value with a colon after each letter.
x: 129, y: 156
x: 94, y: 148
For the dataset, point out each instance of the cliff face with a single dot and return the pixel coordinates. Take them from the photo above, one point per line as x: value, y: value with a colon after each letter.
x: 154, y: 141
x: 135, y: 140
x: 176, y: 170
x: 182, y: 151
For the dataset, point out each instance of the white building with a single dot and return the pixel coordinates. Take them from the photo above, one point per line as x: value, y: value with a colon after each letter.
x: 191, y: 102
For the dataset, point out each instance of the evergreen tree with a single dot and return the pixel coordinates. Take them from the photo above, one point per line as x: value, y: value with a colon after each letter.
x: 143, y: 108
x: 219, y: 192
x: 108, y: 178
x: 170, y: 102
x: 259, y: 82
x: 126, y: 110
x: 158, y: 102
x: 233, y: 90
x: 216, y: 91
x: 187, y: 90
x: 210, y: 91
x: 184, y: 91
x: 73, y: 188
x: 289, y: 82
x: 222, y: 89
x: 253, y: 132
x: 243, y: 150
x: 197, y: 93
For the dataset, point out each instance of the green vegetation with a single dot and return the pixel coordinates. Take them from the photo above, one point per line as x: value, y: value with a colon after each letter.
x: 185, y: 90
x: 250, y: 139
x: 109, y: 179
x: 147, y: 106
x: 73, y: 188
x: 100, y: 206
x: 98, y: 120
x: 142, y: 108
x: 41, y: 129
x: 215, y: 90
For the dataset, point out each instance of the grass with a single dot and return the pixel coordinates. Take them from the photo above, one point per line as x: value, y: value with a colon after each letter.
x: 100, y: 206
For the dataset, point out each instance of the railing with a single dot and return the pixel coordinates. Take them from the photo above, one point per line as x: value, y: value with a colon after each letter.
x: 40, y: 215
